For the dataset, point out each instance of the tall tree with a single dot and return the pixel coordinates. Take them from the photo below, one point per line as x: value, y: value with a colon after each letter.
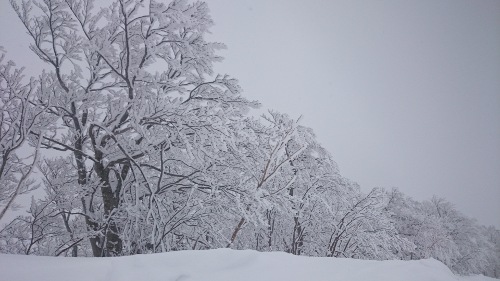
x: 133, y: 96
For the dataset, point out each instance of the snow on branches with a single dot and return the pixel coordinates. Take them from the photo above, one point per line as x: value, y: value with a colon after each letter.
x: 145, y: 149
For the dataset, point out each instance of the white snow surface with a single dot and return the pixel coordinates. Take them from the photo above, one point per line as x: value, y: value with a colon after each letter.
x: 221, y: 265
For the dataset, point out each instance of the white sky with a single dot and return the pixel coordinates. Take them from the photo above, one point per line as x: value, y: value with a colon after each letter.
x: 403, y: 93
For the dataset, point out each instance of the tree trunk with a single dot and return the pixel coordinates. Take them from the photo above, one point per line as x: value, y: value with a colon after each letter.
x: 235, y: 232
x: 114, y: 243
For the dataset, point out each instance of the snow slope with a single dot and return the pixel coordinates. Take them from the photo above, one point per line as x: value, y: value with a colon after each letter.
x: 220, y: 265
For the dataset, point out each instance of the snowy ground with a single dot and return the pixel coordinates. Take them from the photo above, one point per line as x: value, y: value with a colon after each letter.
x: 220, y: 265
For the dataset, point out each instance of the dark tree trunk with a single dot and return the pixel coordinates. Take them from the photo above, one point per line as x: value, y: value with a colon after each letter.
x: 111, y: 200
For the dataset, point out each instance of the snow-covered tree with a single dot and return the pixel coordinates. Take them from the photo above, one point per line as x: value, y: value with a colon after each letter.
x: 439, y: 231
x: 145, y: 149
x: 18, y: 117
x: 135, y: 106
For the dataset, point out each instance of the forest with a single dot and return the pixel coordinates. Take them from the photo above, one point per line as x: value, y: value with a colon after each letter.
x: 134, y: 145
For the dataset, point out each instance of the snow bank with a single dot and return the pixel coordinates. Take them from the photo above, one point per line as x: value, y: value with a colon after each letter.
x: 220, y: 265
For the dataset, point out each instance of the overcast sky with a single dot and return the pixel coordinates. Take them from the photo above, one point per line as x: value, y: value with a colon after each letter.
x: 403, y: 93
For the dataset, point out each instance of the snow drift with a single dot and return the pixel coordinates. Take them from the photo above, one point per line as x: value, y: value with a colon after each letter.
x: 220, y: 265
